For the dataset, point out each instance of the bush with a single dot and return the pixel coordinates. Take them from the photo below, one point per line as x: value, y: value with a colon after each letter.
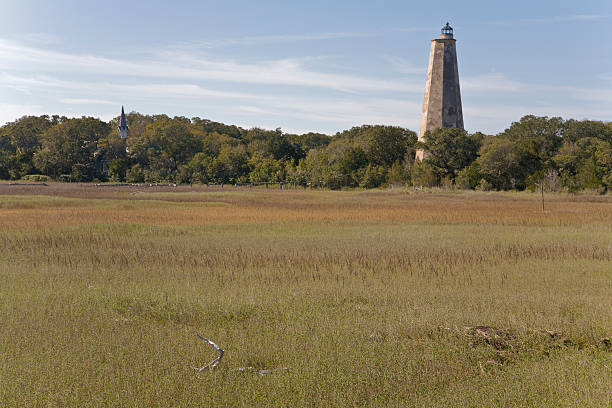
x: 134, y: 174
x: 37, y: 177
x: 423, y: 175
x: 373, y: 177
x: 399, y: 173
x: 463, y: 180
x: 117, y: 169
x: 484, y: 185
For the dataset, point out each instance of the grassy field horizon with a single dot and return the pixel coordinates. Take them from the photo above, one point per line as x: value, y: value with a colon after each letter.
x: 368, y: 298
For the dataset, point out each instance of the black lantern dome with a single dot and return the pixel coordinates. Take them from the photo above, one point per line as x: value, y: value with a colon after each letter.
x: 447, y: 31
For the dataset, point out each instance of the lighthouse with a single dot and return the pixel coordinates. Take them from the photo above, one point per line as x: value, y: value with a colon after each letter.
x: 442, y: 101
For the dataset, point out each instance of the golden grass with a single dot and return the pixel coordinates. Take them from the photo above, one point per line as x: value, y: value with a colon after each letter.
x: 365, y: 296
x: 263, y: 207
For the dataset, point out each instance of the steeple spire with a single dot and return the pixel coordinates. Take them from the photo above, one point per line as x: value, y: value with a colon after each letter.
x: 123, y: 127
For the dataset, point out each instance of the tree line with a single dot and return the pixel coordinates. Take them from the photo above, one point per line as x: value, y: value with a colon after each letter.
x: 568, y: 154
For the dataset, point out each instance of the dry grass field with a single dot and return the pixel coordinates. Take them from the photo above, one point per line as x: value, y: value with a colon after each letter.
x: 369, y: 298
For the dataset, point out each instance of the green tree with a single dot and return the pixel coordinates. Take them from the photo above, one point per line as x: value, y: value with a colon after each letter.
x: 21, y: 139
x: 500, y: 163
x: 69, y: 147
x: 584, y: 163
x: 399, y: 173
x: 449, y: 150
x: 165, y: 145
x: 469, y: 177
x: 352, y: 165
x: 117, y: 168
x: 198, y: 170
x: 232, y: 165
x: 373, y: 176
x: 538, y: 138
x: 387, y: 144
x: 265, y: 169
x: 423, y: 175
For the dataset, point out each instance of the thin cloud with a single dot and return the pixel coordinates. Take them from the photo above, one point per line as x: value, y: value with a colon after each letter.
x: 40, y: 38
x: 272, y: 39
x: 493, y: 82
x: 183, y: 65
x: 12, y: 111
x: 416, y: 29
x: 333, y: 113
x: 552, y: 19
x: 403, y: 66
x: 85, y: 101
x: 606, y: 77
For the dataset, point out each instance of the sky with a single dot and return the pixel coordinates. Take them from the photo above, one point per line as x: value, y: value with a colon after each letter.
x: 321, y: 66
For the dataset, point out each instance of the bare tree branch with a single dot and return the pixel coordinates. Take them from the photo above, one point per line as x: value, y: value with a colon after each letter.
x: 216, y: 361
x: 262, y: 372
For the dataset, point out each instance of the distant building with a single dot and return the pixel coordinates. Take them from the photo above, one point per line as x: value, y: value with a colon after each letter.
x: 123, y: 127
x: 442, y: 101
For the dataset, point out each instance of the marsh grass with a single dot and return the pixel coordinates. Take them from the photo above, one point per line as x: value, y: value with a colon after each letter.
x: 368, y: 297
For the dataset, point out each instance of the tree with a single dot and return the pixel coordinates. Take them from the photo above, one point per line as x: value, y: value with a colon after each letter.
x: 469, y: 177
x: 198, y: 170
x: 21, y: 139
x: 117, y: 168
x: 373, y: 176
x: 423, y: 175
x: 539, y: 137
x: 165, y: 145
x: 399, y: 173
x: 387, y: 144
x: 449, y: 150
x: 232, y: 165
x: 500, y: 163
x: 69, y: 147
x: 265, y: 169
x: 584, y: 163
x: 319, y: 168
x: 353, y: 164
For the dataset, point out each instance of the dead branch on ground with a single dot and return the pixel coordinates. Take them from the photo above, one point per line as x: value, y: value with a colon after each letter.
x: 216, y: 361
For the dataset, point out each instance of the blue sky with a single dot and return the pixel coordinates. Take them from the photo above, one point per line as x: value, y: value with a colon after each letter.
x: 303, y: 66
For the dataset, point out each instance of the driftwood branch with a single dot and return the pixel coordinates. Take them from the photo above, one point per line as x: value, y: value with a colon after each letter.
x: 262, y: 372
x: 216, y: 361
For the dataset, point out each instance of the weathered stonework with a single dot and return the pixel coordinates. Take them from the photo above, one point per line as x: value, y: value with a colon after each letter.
x: 442, y: 101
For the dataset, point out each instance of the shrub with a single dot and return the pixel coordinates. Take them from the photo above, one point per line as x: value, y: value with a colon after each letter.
x: 423, y: 175
x: 37, y: 177
x: 134, y: 174
x: 484, y: 185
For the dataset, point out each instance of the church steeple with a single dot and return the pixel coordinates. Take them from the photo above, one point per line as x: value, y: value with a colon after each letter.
x: 123, y: 127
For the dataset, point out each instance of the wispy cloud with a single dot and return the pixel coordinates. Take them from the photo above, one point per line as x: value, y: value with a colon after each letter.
x: 417, y: 29
x: 264, y: 92
x: 85, y: 101
x: 404, y: 66
x: 552, y: 19
x: 172, y: 64
x: 272, y: 39
x: 39, y: 38
x: 493, y: 82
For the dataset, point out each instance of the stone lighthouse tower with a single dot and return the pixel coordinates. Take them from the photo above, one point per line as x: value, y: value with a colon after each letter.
x: 442, y: 101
